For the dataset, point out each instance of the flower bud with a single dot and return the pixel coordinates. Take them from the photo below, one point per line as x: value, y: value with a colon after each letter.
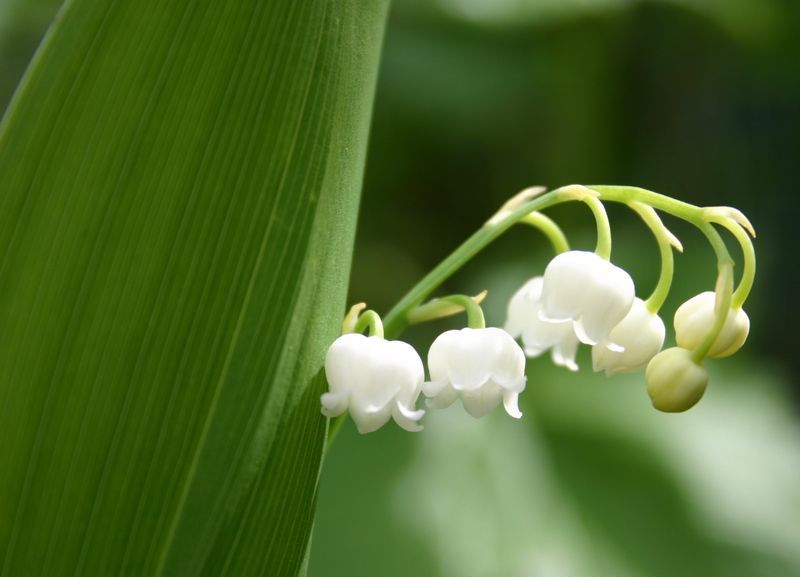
x: 674, y: 381
x: 694, y: 319
x: 641, y: 333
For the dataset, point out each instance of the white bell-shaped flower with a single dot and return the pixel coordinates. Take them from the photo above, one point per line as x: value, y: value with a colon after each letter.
x: 694, y: 319
x: 674, y: 381
x: 481, y: 366
x: 538, y: 335
x: 374, y: 379
x: 641, y: 333
x: 588, y: 290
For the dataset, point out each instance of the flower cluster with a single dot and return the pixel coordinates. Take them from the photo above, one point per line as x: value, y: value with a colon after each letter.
x: 580, y: 298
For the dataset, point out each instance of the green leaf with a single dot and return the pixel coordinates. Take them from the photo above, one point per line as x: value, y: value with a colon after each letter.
x: 180, y: 182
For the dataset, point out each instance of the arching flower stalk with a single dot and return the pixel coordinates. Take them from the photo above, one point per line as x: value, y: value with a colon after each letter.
x: 580, y: 297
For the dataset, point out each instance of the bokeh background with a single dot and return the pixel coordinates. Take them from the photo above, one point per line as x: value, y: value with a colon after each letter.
x: 698, y: 99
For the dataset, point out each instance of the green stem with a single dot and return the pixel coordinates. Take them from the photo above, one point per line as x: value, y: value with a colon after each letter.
x: 748, y: 253
x: 724, y: 291
x: 550, y: 229
x: 648, y: 214
x: 628, y: 194
x: 396, y: 319
x: 372, y: 320
x: 603, y: 248
x: 438, y: 309
x: 475, y: 319
x: 333, y: 427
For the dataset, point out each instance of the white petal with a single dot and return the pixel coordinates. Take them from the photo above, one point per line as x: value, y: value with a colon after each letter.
x: 511, y: 404
x: 514, y: 386
x: 582, y: 334
x: 367, y: 421
x: 444, y: 399
x: 405, y: 363
x: 407, y: 418
x: 342, y: 357
x: 433, y: 388
x: 478, y: 403
x: 506, y: 359
x: 390, y: 369
x: 444, y: 354
x: 642, y: 335
x: 533, y: 352
x: 544, y: 334
x: 333, y: 404
x: 524, y: 318
x: 567, y: 282
x: 546, y: 317
x: 524, y: 306
x: 609, y: 297
x: 563, y: 353
x: 461, y: 356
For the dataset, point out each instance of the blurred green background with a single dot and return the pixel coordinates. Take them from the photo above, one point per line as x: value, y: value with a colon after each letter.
x: 698, y: 99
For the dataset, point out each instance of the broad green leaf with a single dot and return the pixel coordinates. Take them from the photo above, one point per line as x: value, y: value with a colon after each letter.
x: 179, y: 185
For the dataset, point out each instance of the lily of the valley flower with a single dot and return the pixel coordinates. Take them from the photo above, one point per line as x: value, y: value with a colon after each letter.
x: 482, y: 366
x: 640, y: 333
x: 374, y: 379
x: 588, y: 290
x: 537, y: 335
x: 694, y: 319
x: 675, y: 382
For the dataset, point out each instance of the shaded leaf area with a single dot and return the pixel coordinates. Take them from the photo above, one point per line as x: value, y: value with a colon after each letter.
x: 22, y: 25
x: 357, y: 533
x: 654, y: 527
x: 627, y: 496
x: 180, y: 185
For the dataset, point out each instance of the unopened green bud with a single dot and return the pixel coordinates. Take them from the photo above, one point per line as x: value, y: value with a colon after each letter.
x: 674, y: 381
